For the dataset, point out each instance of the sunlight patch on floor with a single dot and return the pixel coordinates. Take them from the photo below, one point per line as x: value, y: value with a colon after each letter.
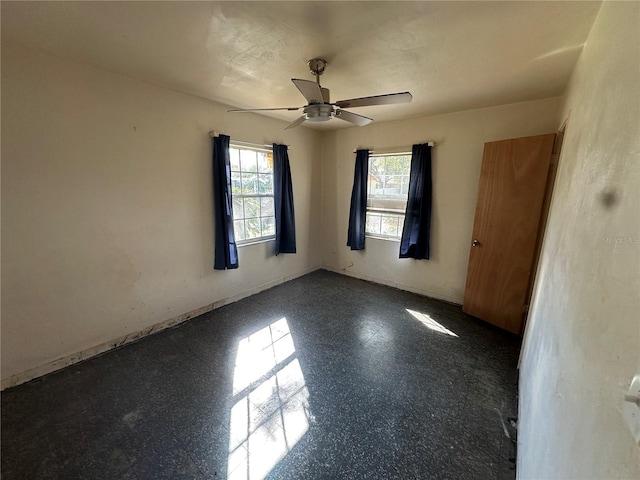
x: 429, y: 322
x: 271, y: 403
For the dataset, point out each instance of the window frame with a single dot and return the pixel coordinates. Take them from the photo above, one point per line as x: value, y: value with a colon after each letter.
x: 259, y: 196
x: 382, y: 211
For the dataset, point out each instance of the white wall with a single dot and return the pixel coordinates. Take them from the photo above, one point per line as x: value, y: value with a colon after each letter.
x: 107, y: 223
x: 582, y: 344
x: 457, y: 158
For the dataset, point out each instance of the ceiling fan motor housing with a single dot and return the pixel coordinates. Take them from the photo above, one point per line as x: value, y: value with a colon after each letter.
x: 318, y: 113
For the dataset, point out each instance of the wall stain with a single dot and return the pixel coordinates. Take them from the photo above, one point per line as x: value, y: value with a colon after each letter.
x: 609, y: 198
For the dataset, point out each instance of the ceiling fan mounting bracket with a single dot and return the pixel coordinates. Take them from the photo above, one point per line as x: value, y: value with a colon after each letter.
x: 317, y: 66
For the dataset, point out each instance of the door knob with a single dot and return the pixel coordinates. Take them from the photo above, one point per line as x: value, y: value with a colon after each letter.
x: 475, y: 243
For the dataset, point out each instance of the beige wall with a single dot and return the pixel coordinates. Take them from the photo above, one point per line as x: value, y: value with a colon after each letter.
x: 107, y: 209
x: 457, y: 157
x: 582, y: 345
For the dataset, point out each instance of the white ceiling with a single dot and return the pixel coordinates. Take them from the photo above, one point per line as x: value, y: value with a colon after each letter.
x: 451, y: 56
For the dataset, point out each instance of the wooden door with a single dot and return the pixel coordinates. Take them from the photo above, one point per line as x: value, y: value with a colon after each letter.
x: 510, y: 198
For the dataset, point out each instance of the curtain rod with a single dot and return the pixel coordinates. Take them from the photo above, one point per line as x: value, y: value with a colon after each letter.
x: 213, y: 133
x: 398, y: 151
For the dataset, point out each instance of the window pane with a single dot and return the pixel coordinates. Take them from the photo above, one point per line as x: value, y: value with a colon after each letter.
x: 373, y: 187
x: 265, y: 162
x: 268, y: 226
x: 372, y: 182
x: 249, y: 183
x: 392, y: 185
x: 395, y: 165
x: 252, y: 228
x: 234, y: 156
x: 389, y: 225
x: 251, y: 208
x: 238, y: 211
x: 401, y: 219
x: 238, y: 230
x: 372, y: 224
x: 235, y: 183
x: 267, y: 207
x: 405, y: 185
x: 248, y: 161
x: 376, y: 165
x: 265, y: 184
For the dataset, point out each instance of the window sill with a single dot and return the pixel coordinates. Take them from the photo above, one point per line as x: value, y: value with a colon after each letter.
x: 248, y: 243
x: 380, y: 237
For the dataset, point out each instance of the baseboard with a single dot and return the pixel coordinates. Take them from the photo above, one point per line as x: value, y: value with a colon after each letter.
x: 68, y: 360
x: 399, y: 286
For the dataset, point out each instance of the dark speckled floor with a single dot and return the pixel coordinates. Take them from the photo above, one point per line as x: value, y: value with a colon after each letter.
x: 325, y: 377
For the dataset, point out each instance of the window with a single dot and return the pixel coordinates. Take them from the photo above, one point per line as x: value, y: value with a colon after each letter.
x: 387, y: 189
x: 252, y: 194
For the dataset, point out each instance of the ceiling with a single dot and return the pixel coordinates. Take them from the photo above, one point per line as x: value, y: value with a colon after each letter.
x: 451, y: 56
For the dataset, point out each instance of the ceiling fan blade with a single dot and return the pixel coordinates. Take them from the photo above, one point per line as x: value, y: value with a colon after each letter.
x: 358, y: 120
x: 236, y: 110
x: 391, y: 98
x: 296, y: 122
x: 310, y: 90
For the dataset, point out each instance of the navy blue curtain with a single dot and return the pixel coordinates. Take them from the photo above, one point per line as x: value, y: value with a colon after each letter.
x: 414, y: 242
x: 226, y: 251
x: 283, y: 199
x: 358, y: 209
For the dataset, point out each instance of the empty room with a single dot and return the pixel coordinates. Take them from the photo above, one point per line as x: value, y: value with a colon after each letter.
x: 320, y: 240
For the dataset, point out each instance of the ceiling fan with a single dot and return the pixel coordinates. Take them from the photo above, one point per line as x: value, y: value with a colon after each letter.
x: 320, y: 108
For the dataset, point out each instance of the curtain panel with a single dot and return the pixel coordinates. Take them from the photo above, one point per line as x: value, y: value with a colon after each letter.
x: 414, y: 242
x: 283, y: 199
x: 226, y: 251
x: 358, y: 209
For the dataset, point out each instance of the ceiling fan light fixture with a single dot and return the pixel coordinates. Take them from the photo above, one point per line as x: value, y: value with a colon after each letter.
x: 318, y: 113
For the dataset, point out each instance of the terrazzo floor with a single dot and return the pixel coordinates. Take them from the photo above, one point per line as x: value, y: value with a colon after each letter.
x: 323, y: 377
